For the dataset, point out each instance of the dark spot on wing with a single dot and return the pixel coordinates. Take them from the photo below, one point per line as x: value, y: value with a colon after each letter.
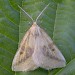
x: 45, y: 50
x: 48, y: 54
x: 22, y: 50
x: 36, y: 34
x: 51, y: 47
x: 29, y: 52
x: 21, y: 53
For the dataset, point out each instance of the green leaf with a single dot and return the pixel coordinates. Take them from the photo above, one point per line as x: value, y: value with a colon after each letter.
x: 58, y: 21
x: 68, y: 70
x: 64, y: 31
x: 9, y: 21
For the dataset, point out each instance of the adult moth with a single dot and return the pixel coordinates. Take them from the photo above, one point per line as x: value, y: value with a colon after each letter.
x: 37, y: 50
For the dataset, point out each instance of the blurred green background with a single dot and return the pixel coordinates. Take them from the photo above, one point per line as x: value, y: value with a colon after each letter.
x: 58, y: 21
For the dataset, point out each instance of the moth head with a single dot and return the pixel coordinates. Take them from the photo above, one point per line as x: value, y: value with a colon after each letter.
x: 35, y: 21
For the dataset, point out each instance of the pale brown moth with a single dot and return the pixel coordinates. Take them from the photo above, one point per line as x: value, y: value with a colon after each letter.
x: 37, y: 50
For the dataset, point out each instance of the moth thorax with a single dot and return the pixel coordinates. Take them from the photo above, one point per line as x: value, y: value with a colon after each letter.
x: 34, y: 23
x: 35, y: 29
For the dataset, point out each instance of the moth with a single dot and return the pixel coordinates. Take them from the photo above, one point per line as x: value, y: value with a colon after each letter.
x: 37, y: 50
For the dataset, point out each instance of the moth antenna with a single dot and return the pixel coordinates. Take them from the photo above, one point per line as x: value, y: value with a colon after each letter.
x: 42, y: 12
x: 26, y: 13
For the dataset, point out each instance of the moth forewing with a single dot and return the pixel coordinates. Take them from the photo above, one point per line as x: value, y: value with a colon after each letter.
x: 23, y: 59
x: 46, y: 54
